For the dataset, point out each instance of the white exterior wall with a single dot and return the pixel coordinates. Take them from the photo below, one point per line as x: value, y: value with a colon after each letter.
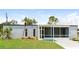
x: 18, y: 31
x: 30, y: 31
x: 73, y: 31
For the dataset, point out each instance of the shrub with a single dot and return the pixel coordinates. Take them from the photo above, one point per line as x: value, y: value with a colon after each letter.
x: 34, y: 38
x: 30, y: 38
x: 75, y: 39
x: 7, y: 32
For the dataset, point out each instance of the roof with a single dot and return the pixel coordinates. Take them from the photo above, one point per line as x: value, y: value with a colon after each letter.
x: 59, y: 25
x: 19, y: 25
x: 39, y: 25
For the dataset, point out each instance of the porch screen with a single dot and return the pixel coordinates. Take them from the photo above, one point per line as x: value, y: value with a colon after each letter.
x: 48, y: 32
x: 61, y: 32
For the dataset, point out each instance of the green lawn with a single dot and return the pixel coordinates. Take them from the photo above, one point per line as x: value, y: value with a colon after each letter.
x: 28, y: 44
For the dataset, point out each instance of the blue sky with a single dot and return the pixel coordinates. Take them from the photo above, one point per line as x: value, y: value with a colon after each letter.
x: 68, y: 16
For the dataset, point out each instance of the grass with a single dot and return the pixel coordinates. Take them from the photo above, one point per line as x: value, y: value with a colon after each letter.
x: 28, y: 44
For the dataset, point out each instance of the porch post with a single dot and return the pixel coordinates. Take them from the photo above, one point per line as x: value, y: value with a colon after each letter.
x: 41, y: 31
x: 38, y: 32
x: 53, y: 33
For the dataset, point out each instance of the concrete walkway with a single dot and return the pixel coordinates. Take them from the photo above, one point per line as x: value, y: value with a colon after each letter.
x: 68, y: 44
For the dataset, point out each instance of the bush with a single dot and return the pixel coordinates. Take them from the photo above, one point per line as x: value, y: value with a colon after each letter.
x: 24, y: 37
x: 30, y: 38
x: 1, y: 38
x: 34, y: 38
x: 75, y: 39
x: 7, y: 32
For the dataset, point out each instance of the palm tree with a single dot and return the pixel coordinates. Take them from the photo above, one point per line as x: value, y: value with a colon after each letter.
x: 52, y: 20
x: 34, y: 22
x: 27, y: 21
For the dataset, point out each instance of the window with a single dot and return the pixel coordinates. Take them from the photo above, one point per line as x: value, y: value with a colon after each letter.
x: 56, y: 32
x: 26, y: 32
x: 33, y: 32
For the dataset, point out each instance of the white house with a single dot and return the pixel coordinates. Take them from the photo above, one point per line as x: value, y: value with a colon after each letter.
x: 44, y: 31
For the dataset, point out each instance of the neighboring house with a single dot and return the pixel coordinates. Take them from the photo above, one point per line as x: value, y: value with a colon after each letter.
x: 44, y: 31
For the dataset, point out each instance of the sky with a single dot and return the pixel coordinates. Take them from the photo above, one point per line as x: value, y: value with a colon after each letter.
x: 65, y: 16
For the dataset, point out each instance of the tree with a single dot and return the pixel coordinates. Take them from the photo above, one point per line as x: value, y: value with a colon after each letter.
x: 13, y: 22
x: 28, y: 21
x: 52, y: 20
x: 34, y: 22
x: 1, y: 30
x: 7, y: 32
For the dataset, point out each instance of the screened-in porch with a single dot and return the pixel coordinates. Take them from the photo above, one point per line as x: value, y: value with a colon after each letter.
x: 54, y: 32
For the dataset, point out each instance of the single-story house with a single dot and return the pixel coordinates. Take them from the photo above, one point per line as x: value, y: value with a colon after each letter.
x: 44, y: 31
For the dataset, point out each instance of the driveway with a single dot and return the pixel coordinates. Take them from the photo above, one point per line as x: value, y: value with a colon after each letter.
x: 68, y: 44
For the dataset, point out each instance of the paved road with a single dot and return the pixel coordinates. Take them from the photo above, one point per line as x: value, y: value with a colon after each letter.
x: 68, y: 44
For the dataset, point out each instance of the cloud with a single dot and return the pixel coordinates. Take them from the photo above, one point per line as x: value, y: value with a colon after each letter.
x: 70, y: 19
